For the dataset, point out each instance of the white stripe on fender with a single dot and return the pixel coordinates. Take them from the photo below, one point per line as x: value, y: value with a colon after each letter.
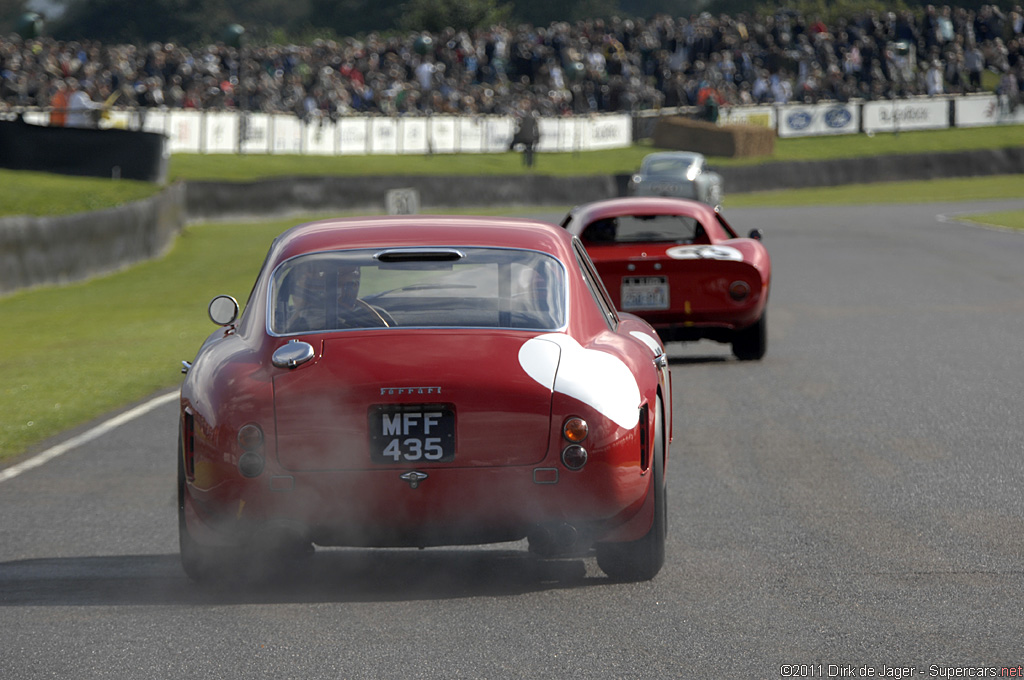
x: 596, y: 378
x: 88, y: 436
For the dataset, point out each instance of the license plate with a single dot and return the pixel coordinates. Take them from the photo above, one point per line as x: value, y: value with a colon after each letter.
x: 667, y: 189
x: 644, y: 292
x: 412, y: 433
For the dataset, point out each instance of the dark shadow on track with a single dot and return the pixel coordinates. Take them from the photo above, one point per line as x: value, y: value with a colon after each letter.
x: 331, y: 575
x: 682, y: 361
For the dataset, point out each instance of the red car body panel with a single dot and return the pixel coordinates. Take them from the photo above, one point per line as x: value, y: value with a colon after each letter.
x: 698, y: 272
x: 309, y: 436
x: 509, y: 392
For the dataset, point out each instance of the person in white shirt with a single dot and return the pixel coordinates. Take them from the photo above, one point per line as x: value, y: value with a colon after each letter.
x: 82, y: 110
x: 934, y: 78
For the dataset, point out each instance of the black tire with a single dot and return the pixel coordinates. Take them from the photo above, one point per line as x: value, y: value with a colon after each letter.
x: 259, y: 560
x: 191, y: 559
x: 750, y: 344
x: 201, y: 563
x: 641, y: 560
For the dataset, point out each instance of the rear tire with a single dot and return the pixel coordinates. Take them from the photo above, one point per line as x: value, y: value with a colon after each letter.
x: 265, y: 556
x: 201, y: 563
x: 641, y: 560
x: 750, y: 344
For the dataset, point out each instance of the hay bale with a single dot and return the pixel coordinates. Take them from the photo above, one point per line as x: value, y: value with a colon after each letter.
x: 727, y: 141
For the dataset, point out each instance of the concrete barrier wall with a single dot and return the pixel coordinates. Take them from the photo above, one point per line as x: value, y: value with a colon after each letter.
x: 211, y: 200
x: 807, y: 174
x: 52, y: 250
x: 37, y: 251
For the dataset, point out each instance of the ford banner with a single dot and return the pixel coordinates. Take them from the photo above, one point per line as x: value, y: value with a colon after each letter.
x: 818, y: 119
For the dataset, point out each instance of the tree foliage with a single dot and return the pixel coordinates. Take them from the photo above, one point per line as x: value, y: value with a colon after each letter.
x: 436, y: 15
x: 829, y: 10
x: 354, y: 17
x: 201, y: 21
x: 115, y: 21
x: 543, y: 12
x: 10, y: 12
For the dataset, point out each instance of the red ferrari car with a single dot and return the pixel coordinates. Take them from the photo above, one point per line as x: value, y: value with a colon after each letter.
x: 678, y: 264
x: 420, y: 381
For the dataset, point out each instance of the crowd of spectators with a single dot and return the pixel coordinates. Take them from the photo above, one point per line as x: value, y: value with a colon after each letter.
x: 564, y: 68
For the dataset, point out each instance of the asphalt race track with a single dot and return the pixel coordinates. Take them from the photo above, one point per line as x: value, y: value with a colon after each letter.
x: 851, y: 505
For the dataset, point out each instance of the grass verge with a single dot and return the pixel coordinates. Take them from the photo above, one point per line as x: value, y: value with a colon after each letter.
x: 40, y: 193
x: 76, y: 352
x: 928, y: 191
x: 1006, y: 220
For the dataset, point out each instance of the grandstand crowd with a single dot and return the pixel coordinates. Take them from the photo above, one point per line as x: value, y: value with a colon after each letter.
x: 618, y: 65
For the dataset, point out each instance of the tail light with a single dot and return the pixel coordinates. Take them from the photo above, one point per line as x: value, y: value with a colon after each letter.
x: 250, y: 439
x: 574, y: 431
x: 739, y: 290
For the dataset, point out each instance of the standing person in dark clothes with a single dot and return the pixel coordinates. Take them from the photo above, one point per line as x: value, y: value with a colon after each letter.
x: 527, y: 132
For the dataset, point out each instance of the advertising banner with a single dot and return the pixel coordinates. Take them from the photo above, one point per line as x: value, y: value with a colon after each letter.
x: 553, y: 135
x: 499, y: 131
x: 442, y: 134
x: 383, y: 136
x: 220, y: 132
x: 119, y: 120
x: 192, y: 131
x: 319, y: 137
x: 472, y: 134
x: 412, y: 135
x: 255, y: 133
x: 352, y: 135
x: 157, y: 120
x: 985, y: 110
x: 906, y: 114
x: 758, y: 116
x: 606, y: 132
x: 287, y: 134
x: 819, y: 119
x: 183, y: 127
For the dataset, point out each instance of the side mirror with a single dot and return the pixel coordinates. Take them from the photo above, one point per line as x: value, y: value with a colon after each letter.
x: 223, y: 310
x: 756, y: 234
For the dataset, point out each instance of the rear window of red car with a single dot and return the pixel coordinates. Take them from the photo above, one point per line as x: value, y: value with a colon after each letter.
x: 642, y: 229
x: 418, y: 287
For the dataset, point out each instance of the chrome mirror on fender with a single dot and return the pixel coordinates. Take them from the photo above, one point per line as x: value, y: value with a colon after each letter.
x: 223, y: 310
x: 756, y: 234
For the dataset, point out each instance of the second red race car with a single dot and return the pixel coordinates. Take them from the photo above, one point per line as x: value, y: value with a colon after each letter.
x: 680, y: 266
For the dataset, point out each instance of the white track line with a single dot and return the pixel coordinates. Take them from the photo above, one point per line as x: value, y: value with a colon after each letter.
x: 87, y: 436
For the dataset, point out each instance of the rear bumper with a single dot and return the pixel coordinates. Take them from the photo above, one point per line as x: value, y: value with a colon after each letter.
x: 450, y: 506
x: 720, y: 327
